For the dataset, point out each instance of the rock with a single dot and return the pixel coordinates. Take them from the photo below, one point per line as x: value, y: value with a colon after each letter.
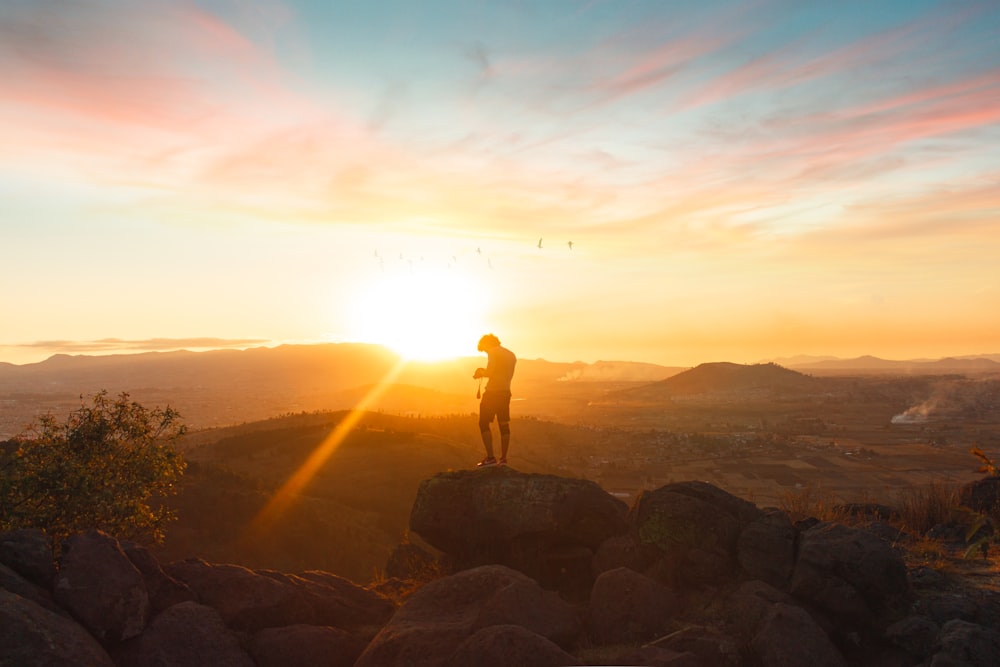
x: 305, y: 646
x: 524, y: 602
x: 12, y: 582
x: 28, y: 552
x: 914, y: 634
x: 250, y: 601
x: 713, y: 648
x: 982, y: 495
x: 922, y: 576
x: 246, y: 600
x: 33, y: 635
x: 749, y: 604
x: 186, y: 634
x: 628, y: 607
x: 945, y: 607
x: 337, y: 601
x: 652, y: 656
x: 696, y: 527
x: 442, y: 614
x: 766, y: 549
x: 409, y: 561
x: 623, y: 551
x: 542, y: 525
x: 969, y: 643
x: 789, y: 636
x: 504, y: 645
x: 164, y: 591
x: 848, y: 572
x: 101, y: 588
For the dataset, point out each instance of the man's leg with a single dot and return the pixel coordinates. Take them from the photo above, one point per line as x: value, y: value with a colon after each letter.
x: 487, y: 440
x: 504, y: 439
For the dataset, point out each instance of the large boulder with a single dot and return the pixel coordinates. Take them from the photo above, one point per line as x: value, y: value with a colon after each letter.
x: 696, y: 527
x: 33, y: 635
x: 766, y: 549
x: 968, y: 644
x: 628, y: 607
x: 12, y: 582
x: 28, y: 551
x: 747, y: 607
x: 164, y: 591
x: 712, y: 647
x: 504, y: 645
x: 543, y: 525
x: 250, y: 601
x: 789, y: 636
x: 101, y: 588
x: 914, y: 634
x: 848, y: 572
x: 442, y: 614
x: 340, y: 602
x: 187, y: 633
x: 246, y: 600
x: 305, y: 646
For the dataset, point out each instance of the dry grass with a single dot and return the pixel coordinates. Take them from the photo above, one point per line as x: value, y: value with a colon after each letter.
x: 811, y: 502
x: 923, y: 507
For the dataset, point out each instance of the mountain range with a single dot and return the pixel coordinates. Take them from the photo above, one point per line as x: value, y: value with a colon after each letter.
x: 222, y: 387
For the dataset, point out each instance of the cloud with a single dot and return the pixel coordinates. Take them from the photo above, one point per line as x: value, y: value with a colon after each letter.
x: 108, y: 345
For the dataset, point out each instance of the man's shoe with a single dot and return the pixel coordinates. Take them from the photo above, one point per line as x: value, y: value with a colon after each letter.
x: 488, y: 462
x: 502, y: 462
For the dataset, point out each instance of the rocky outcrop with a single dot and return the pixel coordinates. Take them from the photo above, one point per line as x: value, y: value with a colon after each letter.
x: 534, y: 570
x: 543, y: 525
x: 111, y: 603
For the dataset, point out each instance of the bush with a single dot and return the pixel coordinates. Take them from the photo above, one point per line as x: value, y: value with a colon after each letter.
x: 102, y: 468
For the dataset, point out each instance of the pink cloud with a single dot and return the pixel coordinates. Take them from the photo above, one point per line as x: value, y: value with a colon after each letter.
x: 147, y: 78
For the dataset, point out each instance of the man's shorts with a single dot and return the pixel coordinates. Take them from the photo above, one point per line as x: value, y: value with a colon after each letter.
x: 494, y: 404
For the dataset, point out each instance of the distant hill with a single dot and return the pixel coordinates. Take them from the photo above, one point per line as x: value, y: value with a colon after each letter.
x: 724, y: 377
x: 870, y: 364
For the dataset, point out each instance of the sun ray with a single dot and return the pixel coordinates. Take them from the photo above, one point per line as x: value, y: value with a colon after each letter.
x: 285, y: 496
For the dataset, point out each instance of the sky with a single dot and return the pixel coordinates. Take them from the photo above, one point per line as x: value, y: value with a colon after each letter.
x: 667, y: 181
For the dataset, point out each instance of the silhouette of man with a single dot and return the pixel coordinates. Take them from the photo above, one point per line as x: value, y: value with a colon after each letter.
x: 495, y: 403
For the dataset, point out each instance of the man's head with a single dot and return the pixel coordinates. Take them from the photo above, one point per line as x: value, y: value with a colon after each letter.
x: 488, y: 342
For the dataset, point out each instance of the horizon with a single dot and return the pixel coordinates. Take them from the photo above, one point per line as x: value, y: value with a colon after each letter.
x: 655, y: 182
x: 792, y: 359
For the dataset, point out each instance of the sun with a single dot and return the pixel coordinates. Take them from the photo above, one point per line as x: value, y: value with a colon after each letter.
x: 423, y: 316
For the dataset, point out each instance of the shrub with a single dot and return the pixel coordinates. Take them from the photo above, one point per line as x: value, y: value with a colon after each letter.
x: 101, y: 468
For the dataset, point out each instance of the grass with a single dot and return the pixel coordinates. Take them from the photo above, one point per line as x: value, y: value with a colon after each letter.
x: 923, y: 507
x: 811, y: 501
